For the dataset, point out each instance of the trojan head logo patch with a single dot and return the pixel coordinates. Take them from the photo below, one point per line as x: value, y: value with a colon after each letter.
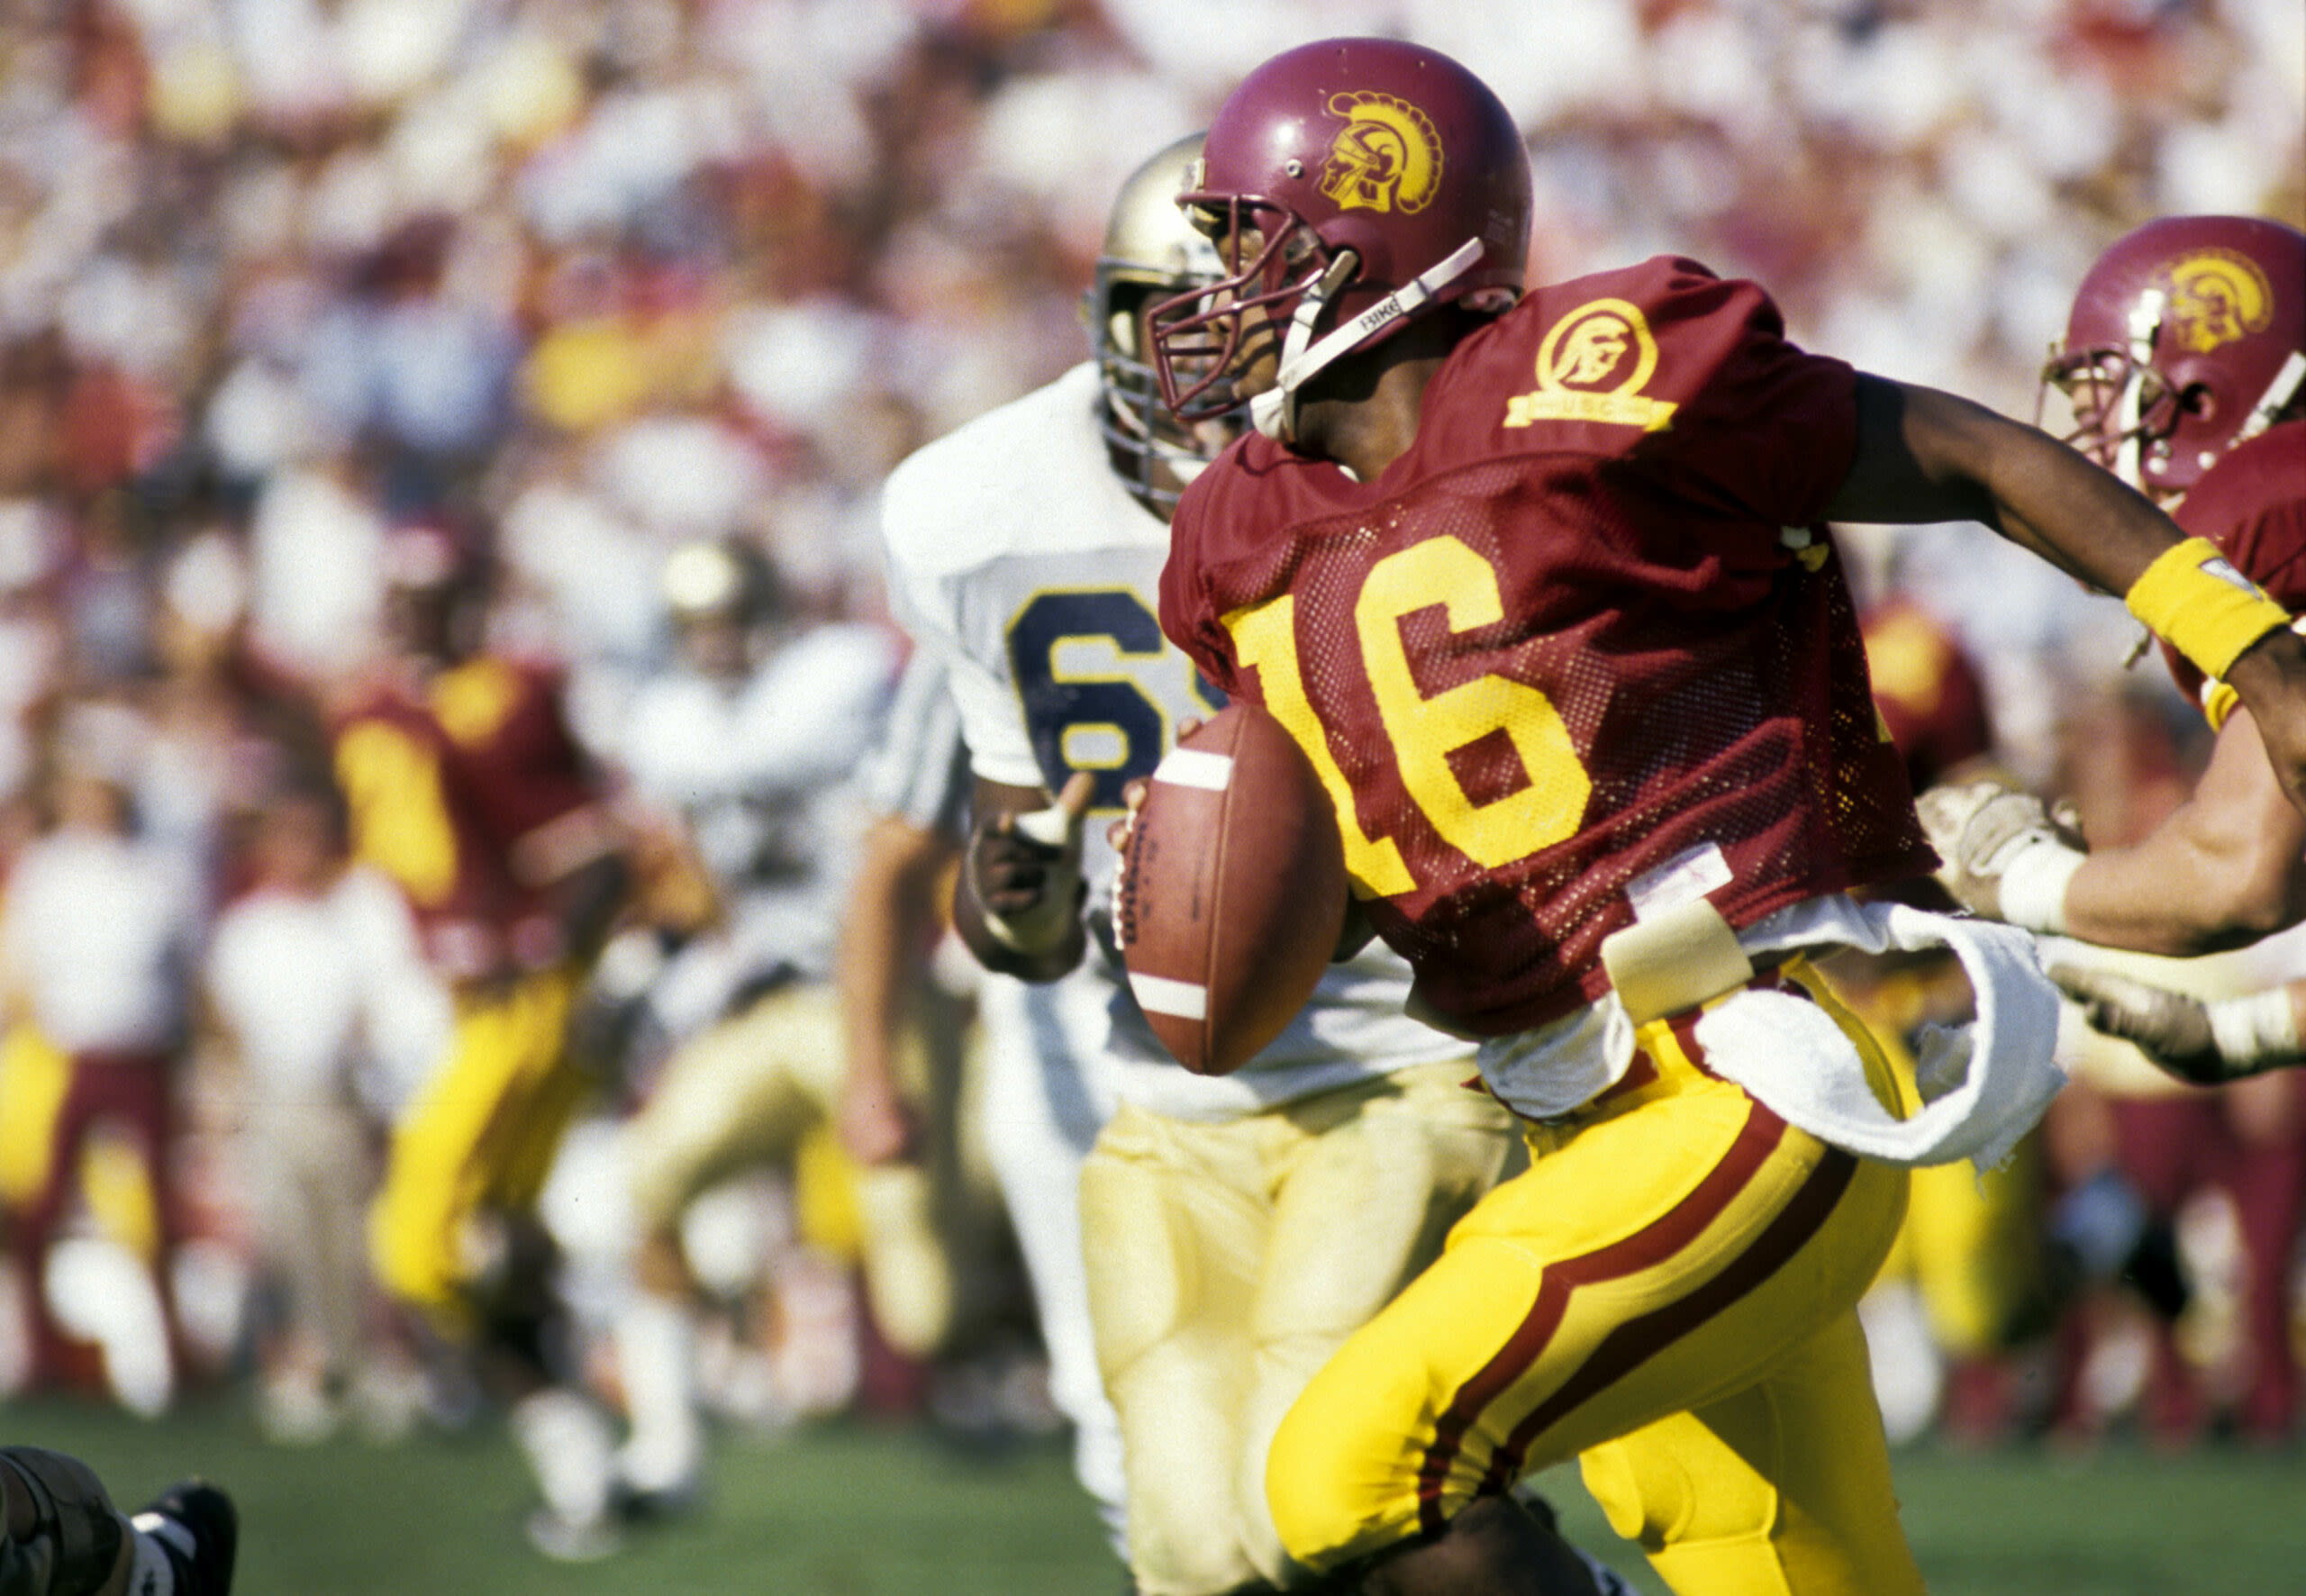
x: 1388, y: 158
x: 1592, y: 367
x: 2216, y: 297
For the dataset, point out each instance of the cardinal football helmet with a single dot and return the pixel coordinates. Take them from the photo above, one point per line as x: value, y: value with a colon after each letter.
x: 1150, y: 252
x: 2187, y: 337
x: 1348, y: 185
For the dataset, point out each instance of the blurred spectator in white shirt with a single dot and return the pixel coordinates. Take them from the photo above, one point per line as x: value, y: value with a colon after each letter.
x: 326, y: 1011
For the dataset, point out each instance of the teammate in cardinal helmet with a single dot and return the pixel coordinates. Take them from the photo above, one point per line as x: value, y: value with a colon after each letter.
x: 2184, y: 360
x: 1235, y: 1229
x: 1542, y: 586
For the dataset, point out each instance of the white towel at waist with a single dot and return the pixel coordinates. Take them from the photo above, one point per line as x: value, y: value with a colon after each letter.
x: 1984, y: 1084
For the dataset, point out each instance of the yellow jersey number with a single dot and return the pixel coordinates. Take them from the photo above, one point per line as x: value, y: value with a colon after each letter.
x: 1423, y: 733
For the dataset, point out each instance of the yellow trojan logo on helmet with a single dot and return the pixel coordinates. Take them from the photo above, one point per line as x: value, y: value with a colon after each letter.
x: 2216, y: 297
x: 1388, y: 158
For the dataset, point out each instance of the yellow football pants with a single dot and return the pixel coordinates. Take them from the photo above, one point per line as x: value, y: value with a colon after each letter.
x: 1669, y: 1293
x: 480, y: 1135
x: 1227, y: 1261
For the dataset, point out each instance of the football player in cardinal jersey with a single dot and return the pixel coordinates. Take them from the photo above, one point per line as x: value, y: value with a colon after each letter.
x: 1234, y: 1229
x: 2185, y: 362
x: 465, y: 786
x: 1541, y: 582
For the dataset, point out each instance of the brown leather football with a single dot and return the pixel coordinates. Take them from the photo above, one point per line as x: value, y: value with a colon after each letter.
x: 1232, y: 893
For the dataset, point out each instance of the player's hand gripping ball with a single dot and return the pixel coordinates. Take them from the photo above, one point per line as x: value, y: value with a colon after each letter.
x: 1232, y: 890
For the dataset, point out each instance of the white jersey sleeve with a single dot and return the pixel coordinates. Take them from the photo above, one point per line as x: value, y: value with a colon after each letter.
x: 942, y: 512
x: 919, y: 771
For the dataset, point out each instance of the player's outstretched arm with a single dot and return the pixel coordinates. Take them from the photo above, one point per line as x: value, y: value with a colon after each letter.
x: 1926, y: 456
x: 2227, y: 867
x: 1017, y: 904
x: 2206, y: 1041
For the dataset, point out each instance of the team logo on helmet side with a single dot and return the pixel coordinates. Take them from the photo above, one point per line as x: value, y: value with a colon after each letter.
x: 1592, y: 367
x: 2216, y: 297
x: 1388, y: 158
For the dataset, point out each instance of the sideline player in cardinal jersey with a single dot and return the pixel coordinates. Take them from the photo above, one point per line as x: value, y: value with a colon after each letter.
x: 2185, y: 363
x: 1234, y: 1229
x: 1540, y: 582
x: 465, y: 786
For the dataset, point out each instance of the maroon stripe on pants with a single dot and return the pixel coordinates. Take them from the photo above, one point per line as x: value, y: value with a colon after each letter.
x: 1636, y: 1340
x: 1633, y: 1342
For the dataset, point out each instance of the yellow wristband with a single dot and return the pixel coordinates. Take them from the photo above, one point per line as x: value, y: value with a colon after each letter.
x: 2206, y: 608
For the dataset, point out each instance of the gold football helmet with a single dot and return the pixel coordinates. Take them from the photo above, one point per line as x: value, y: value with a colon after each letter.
x: 1149, y: 254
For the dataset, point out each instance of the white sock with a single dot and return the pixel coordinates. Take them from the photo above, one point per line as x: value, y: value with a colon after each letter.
x: 656, y: 1345
x: 151, y: 1573
x: 567, y: 1441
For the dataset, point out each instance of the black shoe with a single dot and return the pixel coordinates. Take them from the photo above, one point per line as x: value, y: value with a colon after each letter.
x: 197, y: 1525
x: 2157, y: 1272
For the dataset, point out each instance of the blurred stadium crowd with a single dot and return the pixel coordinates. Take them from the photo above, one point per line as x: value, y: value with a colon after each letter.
x: 576, y: 285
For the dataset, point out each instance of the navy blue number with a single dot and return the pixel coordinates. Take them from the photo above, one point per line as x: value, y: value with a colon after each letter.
x: 1056, y: 706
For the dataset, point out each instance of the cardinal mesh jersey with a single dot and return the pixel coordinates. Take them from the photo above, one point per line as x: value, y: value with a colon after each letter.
x: 1581, y: 642
x: 1020, y: 561
x: 442, y: 790
x: 2252, y: 503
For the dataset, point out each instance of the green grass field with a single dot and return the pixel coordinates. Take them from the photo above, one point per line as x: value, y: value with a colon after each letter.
x: 852, y: 1510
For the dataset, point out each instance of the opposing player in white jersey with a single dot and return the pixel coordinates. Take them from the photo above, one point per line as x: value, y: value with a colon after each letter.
x: 1235, y: 1229
x: 1044, y: 1091
x: 752, y: 743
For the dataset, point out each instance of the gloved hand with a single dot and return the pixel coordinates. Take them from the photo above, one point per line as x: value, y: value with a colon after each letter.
x: 2003, y: 855
x: 1024, y: 871
x: 2199, y: 1041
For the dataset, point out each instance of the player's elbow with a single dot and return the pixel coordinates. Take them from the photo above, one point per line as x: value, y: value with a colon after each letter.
x: 2270, y: 898
x: 2253, y: 896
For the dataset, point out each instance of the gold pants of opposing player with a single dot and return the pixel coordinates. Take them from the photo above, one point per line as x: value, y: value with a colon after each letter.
x: 480, y: 1137
x: 1227, y: 1261
x: 751, y: 1090
x: 1668, y: 1294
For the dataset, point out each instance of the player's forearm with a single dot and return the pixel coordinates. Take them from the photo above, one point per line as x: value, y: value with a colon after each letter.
x: 2270, y: 679
x: 2173, y: 899
x: 2225, y: 867
x: 1924, y: 455
x: 890, y: 910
